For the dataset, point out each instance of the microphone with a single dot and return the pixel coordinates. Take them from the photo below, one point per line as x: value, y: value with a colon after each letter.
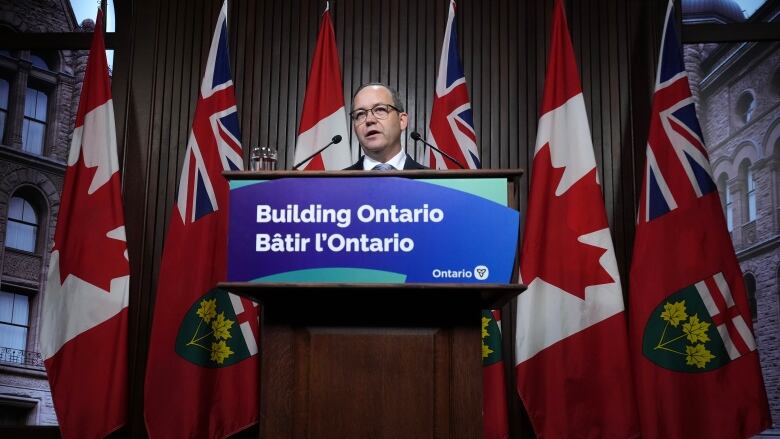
x: 336, y: 139
x: 416, y: 136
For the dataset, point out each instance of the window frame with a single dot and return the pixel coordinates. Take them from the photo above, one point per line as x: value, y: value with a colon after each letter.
x: 5, y: 111
x: 36, y: 226
x: 725, y: 200
x: 27, y: 327
x: 751, y: 208
x: 746, y: 99
x: 30, y: 119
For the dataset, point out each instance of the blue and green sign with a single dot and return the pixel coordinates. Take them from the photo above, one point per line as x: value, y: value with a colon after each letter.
x: 371, y: 230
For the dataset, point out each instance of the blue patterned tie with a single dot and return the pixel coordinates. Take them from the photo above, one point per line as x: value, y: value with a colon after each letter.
x: 383, y: 167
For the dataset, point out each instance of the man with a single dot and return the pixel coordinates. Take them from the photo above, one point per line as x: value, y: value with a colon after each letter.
x: 378, y: 119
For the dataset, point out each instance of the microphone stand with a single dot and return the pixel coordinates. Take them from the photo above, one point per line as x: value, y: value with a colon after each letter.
x: 416, y: 136
x: 336, y: 139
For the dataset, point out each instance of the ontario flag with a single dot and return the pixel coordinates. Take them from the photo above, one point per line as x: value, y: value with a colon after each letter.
x: 696, y: 366
x: 452, y: 124
x: 495, y: 422
x: 202, y: 376
x: 572, y: 360
x: 84, y: 325
x: 323, y: 114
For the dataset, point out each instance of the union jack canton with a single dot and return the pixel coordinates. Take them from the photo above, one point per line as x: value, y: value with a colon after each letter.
x: 677, y: 168
x: 452, y: 126
x: 214, y: 144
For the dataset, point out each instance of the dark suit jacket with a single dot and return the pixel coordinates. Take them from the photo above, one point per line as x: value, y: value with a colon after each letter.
x: 408, y: 165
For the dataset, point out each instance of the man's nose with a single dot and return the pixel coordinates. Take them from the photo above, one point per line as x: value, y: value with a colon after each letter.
x: 370, y: 118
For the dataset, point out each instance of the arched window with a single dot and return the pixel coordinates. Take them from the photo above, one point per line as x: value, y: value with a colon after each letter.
x: 34, y: 125
x: 746, y: 105
x: 45, y: 60
x: 39, y: 61
x: 22, y: 230
x: 750, y: 285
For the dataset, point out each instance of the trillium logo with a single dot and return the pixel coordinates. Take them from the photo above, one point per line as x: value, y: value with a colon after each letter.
x: 481, y: 272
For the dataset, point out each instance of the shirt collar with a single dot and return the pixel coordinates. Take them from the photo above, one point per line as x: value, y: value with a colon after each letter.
x: 398, y: 161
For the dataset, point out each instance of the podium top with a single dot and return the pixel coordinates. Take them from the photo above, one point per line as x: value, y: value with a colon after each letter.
x: 509, y: 174
x: 320, y: 296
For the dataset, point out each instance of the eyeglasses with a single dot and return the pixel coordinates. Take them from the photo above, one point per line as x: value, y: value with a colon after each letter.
x: 380, y: 111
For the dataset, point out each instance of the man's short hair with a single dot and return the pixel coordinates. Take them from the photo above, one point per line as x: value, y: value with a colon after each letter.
x: 397, y: 102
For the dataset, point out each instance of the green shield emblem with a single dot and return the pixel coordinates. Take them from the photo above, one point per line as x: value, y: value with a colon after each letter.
x: 680, y: 335
x: 209, y: 334
x: 491, y: 339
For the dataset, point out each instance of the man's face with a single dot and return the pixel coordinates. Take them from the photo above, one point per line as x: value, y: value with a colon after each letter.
x: 380, y: 138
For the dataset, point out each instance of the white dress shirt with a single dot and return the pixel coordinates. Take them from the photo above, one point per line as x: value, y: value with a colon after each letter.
x: 398, y: 161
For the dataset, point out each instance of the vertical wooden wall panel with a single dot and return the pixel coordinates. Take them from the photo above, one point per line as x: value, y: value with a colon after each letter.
x: 503, y: 45
x: 135, y: 131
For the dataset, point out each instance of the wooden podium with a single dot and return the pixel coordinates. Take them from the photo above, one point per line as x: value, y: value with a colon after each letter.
x: 372, y: 360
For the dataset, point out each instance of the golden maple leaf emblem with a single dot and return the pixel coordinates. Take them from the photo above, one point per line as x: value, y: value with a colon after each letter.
x: 221, y: 327
x: 698, y: 356
x: 207, y: 310
x: 674, y: 313
x: 696, y: 330
x: 486, y: 351
x: 485, y: 323
x: 220, y: 351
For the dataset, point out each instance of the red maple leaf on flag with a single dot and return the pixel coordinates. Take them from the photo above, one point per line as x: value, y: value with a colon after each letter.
x: 85, y: 249
x: 553, y: 251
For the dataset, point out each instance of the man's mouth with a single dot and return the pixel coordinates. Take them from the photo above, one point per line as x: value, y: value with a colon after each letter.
x: 370, y: 133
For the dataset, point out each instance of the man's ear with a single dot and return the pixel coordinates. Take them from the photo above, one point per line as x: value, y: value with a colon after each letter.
x: 404, y: 120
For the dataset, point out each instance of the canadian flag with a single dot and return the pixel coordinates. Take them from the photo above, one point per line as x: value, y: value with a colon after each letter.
x: 572, y: 359
x: 84, y: 327
x: 323, y: 114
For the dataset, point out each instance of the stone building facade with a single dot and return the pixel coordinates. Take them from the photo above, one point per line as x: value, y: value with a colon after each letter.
x: 39, y: 94
x: 737, y: 90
